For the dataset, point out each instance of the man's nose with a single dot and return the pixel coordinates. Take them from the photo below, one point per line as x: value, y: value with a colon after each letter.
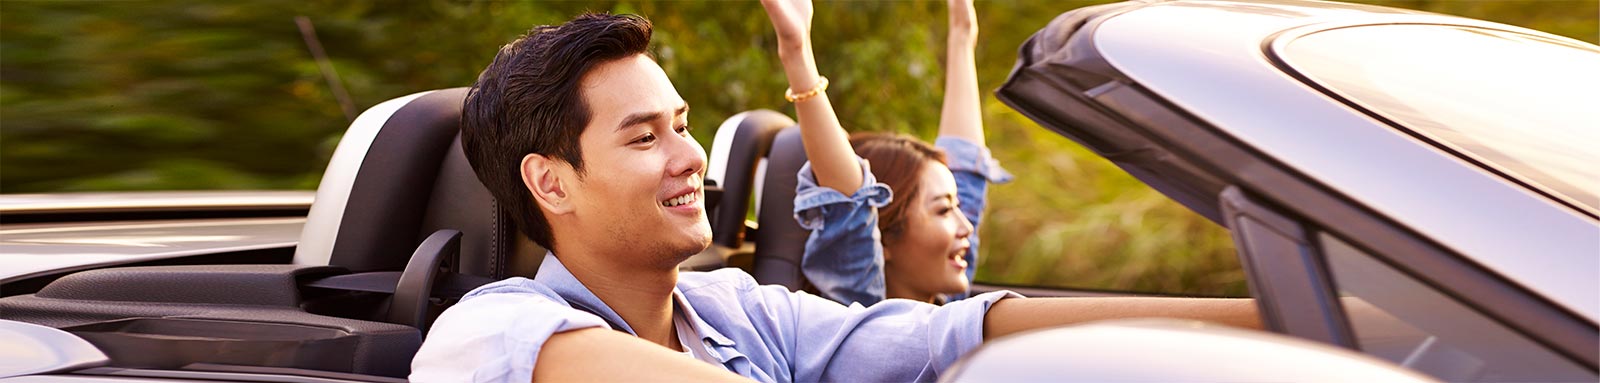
x: 686, y: 157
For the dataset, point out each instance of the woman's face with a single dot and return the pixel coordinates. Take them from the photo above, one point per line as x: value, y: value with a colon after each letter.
x: 929, y: 256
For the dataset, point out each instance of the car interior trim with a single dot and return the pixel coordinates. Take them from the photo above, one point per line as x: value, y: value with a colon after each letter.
x: 1287, y: 276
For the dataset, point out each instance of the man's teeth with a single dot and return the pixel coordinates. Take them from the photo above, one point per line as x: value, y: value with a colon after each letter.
x: 683, y: 199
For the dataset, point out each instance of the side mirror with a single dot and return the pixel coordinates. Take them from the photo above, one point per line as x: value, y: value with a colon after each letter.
x: 1166, y: 350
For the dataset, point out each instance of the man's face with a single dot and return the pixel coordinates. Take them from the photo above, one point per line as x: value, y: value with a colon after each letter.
x: 642, y: 190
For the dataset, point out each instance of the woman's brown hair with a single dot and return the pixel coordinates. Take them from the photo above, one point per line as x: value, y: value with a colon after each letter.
x: 896, y: 160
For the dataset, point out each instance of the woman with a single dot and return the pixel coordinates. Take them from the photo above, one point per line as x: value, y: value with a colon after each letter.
x: 924, y: 244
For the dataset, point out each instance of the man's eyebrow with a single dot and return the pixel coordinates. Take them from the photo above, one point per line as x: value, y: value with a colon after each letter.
x: 645, y: 117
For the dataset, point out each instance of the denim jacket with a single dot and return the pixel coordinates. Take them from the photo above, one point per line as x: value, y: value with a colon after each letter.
x: 844, y: 255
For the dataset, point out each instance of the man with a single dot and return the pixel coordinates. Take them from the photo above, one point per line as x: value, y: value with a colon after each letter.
x: 579, y: 133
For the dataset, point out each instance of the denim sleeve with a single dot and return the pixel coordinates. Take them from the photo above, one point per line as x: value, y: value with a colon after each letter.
x: 843, y: 256
x: 896, y: 340
x: 495, y: 334
x: 974, y: 170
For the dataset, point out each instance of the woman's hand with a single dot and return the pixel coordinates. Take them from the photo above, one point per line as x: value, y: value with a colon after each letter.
x: 791, y: 19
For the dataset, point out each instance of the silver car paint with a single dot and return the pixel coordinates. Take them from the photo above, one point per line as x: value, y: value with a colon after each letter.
x: 33, y: 349
x: 35, y: 249
x: 1167, y: 350
x: 1221, y: 75
x: 112, y: 202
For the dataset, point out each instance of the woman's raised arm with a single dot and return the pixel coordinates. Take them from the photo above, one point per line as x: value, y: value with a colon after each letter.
x: 962, y: 116
x: 833, y: 161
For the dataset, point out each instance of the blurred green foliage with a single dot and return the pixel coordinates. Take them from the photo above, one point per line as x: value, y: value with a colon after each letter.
x: 157, y: 95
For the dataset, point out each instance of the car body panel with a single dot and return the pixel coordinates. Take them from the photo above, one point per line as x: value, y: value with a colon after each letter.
x: 35, y: 349
x: 53, y: 248
x: 1185, y: 351
x: 52, y: 234
x: 1462, y: 207
x: 114, y: 202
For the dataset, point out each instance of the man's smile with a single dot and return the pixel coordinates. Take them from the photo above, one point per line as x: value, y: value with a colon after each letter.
x: 686, y: 197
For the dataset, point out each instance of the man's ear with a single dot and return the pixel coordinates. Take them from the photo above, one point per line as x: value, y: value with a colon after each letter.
x: 543, y: 177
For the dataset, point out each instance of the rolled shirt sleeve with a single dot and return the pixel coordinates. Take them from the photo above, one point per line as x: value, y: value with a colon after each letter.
x: 844, y: 254
x: 896, y: 340
x: 495, y: 334
x: 789, y: 336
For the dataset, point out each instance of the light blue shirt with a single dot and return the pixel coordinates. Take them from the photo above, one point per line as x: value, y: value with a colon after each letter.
x: 844, y: 254
x: 765, y: 333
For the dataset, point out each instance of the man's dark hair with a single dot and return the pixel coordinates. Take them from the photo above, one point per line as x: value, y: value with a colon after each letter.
x: 528, y: 102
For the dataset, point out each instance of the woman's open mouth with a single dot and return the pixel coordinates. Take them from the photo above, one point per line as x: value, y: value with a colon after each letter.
x: 958, y: 258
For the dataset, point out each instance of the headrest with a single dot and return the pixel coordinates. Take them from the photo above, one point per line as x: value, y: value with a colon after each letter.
x: 398, y: 175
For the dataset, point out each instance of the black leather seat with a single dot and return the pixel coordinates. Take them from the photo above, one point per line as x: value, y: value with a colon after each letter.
x: 399, y: 222
x: 398, y: 176
x: 757, y: 154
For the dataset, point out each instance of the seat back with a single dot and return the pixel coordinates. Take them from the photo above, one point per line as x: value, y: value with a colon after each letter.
x: 756, y: 154
x: 398, y: 176
x: 398, y: 210
x: 781, y: 242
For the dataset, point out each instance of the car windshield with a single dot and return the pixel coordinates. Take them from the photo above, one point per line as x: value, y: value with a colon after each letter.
x: 1521, y: 104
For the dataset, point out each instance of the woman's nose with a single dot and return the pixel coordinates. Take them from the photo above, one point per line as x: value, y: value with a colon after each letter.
x: 964, y: 228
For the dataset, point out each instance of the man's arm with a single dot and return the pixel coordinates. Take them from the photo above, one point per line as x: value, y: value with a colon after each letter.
x: 602, y: 355
x: 1010, y: 316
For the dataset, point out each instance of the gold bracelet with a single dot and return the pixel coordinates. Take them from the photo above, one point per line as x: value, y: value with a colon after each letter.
x: 822, y: 85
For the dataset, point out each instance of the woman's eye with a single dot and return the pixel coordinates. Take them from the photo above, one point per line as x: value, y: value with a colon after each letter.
x: 647, y: 138
x: 944, y: 210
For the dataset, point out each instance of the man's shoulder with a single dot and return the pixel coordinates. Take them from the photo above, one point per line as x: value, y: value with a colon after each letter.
x: 728, y: 279
x: 512, y: 286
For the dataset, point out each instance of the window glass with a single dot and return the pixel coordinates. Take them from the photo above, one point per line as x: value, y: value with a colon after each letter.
x: 1522, y: 104
x: 1404, y: 321
x: 1072, y: 220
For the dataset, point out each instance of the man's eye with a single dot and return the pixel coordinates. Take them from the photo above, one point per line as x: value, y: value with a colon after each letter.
x: 647, y: 138
x: 684, y: 129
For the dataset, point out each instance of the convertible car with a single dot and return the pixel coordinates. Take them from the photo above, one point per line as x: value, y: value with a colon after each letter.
x: 1413, y: 197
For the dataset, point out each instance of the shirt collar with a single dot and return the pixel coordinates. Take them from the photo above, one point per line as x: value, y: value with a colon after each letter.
x: 555, y: 275
x: 706, y: 331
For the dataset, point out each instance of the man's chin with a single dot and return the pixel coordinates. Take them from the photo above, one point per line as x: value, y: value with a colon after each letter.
x: 701, y: 237
x: 694, y: 240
